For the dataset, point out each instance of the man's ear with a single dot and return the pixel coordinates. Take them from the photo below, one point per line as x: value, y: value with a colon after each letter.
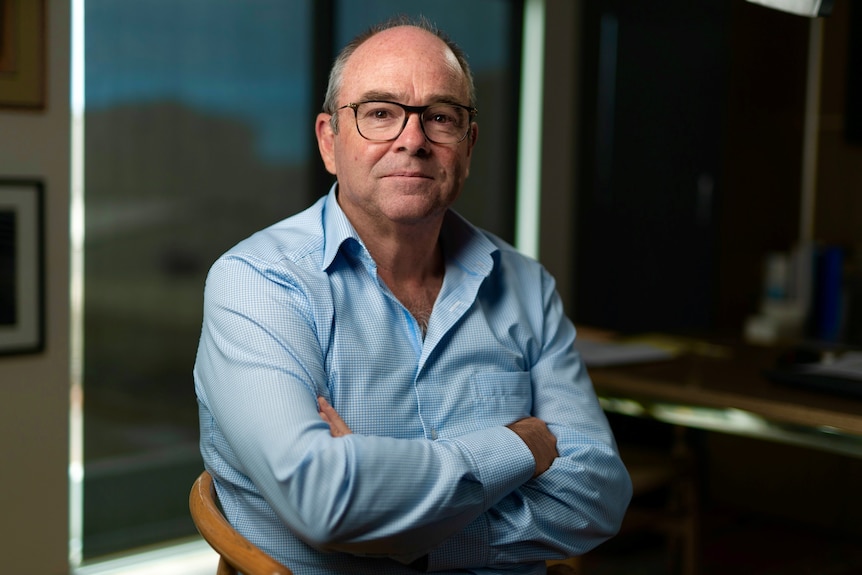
x: 326, y: 141
x: 471, y: 137
x: 474, y: 135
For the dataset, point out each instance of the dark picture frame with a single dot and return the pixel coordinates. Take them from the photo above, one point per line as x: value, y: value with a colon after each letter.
x: 21, y: 266
x: 22, y: 54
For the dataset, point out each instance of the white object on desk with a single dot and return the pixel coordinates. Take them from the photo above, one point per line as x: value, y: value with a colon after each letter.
x: 607, y: 353
x: 847, y: 365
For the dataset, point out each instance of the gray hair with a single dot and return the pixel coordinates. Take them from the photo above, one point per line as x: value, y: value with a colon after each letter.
x: 336, y: 75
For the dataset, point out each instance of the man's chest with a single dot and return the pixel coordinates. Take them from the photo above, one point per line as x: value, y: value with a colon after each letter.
x: 384, y: 380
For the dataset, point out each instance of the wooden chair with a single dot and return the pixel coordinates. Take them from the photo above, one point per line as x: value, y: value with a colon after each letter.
x: 236, y: 553
x: 678, y: 519
x: 570, y: 566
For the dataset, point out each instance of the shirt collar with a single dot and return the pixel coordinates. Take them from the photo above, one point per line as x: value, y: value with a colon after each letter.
x: 465, y: 244
x: 337, y: 229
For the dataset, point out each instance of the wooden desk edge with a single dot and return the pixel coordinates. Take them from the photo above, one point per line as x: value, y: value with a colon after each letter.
x: 618, y: 383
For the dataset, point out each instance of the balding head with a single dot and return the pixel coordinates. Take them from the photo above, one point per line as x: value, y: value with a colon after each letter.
x: 336, y: 76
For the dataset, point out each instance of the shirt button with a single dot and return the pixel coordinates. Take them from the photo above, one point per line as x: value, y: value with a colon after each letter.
x: 433, y: 434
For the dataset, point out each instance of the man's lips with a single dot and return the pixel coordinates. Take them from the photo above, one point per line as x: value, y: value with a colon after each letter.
x: 407, y: 175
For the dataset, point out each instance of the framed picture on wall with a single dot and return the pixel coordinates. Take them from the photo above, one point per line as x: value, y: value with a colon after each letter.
x: 21, y: 266
x: 22, y: 54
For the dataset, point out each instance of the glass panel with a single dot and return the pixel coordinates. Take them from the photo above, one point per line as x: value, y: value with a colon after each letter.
x: 489, y: 32
x: 191, y: 144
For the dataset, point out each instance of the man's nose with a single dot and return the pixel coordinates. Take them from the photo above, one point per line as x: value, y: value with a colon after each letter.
x: 413, y: 135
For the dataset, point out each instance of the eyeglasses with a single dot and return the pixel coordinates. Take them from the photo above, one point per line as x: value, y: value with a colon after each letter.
x: 381, y: 121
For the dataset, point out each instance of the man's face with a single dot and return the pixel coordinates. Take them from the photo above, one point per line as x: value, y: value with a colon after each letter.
x: 410, y: 179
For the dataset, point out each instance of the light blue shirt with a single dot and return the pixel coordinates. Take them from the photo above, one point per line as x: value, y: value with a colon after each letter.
x: 298, y: 310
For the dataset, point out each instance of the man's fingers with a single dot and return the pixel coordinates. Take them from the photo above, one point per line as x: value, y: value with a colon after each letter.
x: 337, y: 427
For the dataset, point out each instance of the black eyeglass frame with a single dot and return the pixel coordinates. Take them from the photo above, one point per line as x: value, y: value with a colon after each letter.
x: 420, y: 110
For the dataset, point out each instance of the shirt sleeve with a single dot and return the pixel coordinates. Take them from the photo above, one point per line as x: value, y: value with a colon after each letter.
x: 580, y: 501
x: 259, y: 370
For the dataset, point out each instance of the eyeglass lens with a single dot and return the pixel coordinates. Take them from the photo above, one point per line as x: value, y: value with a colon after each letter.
x: 443, y: 123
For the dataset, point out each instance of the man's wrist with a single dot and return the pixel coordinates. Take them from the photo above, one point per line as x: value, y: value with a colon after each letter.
x: 539, y: 440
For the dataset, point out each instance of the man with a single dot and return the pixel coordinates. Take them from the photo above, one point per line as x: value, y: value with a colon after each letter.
x: 384, y: 388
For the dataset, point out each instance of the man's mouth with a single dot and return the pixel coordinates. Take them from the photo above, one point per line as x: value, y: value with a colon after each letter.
x: 408, y: 175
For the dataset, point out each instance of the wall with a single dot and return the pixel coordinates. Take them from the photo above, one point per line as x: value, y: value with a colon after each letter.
x: 34, y: 389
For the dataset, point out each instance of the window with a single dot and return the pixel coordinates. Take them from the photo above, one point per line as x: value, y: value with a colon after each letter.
x: 198, y: 132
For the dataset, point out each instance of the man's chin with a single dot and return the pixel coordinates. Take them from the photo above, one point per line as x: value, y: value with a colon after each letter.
x: 419, y: 211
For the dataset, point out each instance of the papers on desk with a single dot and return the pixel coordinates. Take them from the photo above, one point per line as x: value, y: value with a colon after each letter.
x: 608, y: 353
x: 847, y: 366
x: 841, y: 375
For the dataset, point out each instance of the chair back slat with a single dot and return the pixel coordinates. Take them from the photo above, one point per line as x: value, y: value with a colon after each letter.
x: 236, y: 553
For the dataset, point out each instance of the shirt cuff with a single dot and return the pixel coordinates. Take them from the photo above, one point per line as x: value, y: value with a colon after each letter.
x: 503, y: 463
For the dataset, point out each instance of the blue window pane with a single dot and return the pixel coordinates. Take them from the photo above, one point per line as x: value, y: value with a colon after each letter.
x: 227, y: 58
x: 198, y: 132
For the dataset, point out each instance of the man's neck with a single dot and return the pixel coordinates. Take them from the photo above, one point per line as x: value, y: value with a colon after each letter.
x: 410, y: 262
x: 403, y: 251
x: 410, y: 255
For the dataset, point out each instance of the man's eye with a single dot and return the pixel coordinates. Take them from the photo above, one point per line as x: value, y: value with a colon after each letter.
x: 445, y: 116
x: 439, y: 118
x: 379, y: 114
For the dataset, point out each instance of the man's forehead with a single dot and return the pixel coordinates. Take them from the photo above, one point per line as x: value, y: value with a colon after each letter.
x: 400, y: 38
x: 389, y: 60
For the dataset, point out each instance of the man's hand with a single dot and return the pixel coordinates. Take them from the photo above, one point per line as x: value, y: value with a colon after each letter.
x: 542, y: 443
x: 337, y: 427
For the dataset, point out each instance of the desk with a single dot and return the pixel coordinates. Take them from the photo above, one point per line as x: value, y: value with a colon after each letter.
x: 728, y: 394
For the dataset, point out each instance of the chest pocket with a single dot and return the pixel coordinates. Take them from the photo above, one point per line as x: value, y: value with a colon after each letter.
x: 502, y: 397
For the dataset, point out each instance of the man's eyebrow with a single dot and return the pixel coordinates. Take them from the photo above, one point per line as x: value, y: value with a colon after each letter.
x: 388, y: 96
x: 392, y: 97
